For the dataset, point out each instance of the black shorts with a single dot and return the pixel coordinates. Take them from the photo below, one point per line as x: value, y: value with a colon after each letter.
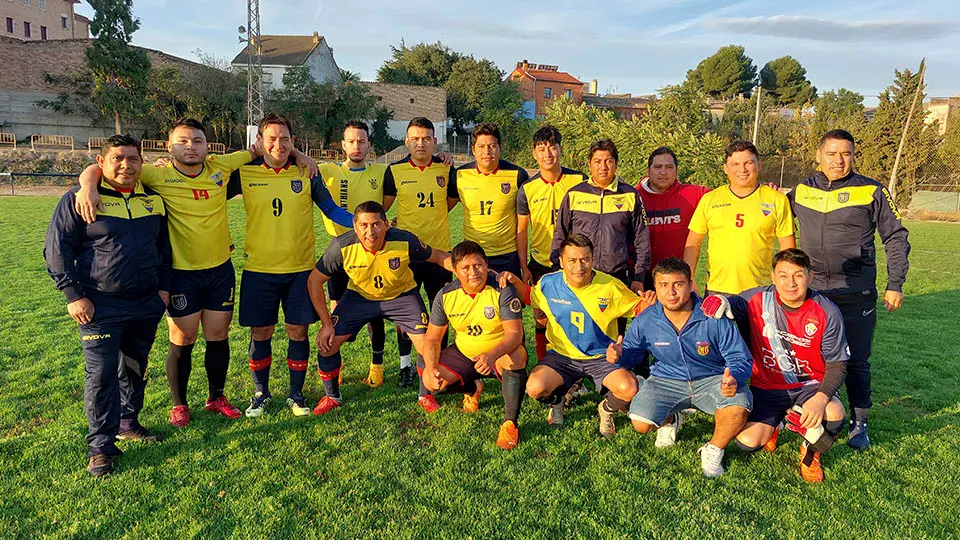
x: 771, y: 406
x: 262, y: 295
x: 508, y: 262
x: 461, y: 366
x: 212, y: 289
x: 353, y: 312
x: 336, y: 286
x: 432, y: 277
x: 538, y: 270
x: 573, y: 370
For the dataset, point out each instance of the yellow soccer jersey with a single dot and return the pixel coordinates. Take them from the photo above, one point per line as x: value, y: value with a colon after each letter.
x: 279, y: 206
x: 477, y: 319
x: 490, y: 206
x: 541, y: 200
x: 350, y: 187
x: 741, y: 233
x: 381, y: 275
x: 582, y: 322
x: 422, y: 194
x: 197, y: 209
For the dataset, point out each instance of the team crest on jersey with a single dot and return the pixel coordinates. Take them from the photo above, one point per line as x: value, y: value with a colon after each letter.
x: 810, y: 328
x: 217, y: 178
x: 489, y: 312
x: 148, y: 205
x: 373, y: 183
x: 766, y: 208
x: 843, y: 196
x: 296, y: 186
x: 179, y: 302
x: 394, y: 263
x: 703, y: 348
x: 516, y: 305
x: 602, y: 303
x: 505, y: 188
x: 441, y: 181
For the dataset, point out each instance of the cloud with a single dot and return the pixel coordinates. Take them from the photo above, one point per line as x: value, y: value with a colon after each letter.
x: 814, y: 29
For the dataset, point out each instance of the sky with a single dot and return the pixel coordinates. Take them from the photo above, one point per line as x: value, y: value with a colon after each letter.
x: 629, y: 46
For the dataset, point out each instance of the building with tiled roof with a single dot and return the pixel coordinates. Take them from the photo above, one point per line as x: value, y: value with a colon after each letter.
x: 540, y: 84
x: 407, y: 102
x: 280, y: 52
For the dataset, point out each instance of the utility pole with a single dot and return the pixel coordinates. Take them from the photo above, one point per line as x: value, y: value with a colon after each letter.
x: 756, y: 119
x: 254, y: 64
x: 892, y: 186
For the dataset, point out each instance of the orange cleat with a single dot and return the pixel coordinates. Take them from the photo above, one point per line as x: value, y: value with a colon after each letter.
x: 224, y: 407
x: 772, y: 443
x: 180, y: 416
x: 325, y: 405
x: 811, y: 472
x: 429, y: 403
x: 509, y: 435
x: 471, y: 402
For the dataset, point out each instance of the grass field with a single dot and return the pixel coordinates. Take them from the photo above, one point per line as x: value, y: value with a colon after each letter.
x: 380, y: 468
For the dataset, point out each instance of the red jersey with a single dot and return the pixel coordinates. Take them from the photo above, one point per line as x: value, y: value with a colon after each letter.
x: 791, y: 347
x: 668, y: 216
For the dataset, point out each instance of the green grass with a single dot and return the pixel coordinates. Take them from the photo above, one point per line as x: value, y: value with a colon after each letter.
x: 379, y: 467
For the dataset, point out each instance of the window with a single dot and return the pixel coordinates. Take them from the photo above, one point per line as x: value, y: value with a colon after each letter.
x: 411, y: 100
x: 43, y: 5
x: 26, y: 29
x: 63, y: 22
x: 548, y: 92
x: 10, y: 25
x: 26, y: 3
x: 43, y: 33
x: 568, y: 93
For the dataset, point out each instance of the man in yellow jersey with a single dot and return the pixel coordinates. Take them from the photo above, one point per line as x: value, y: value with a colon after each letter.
x: 488, y: 321
x: 194, y: 187
x: 538, y: 203
x: 279, y: 253
x: 378, y: 261
x: 742, y: 219
x: 488, y: 190
x: 581, y: 307
x: 425, y: 192
x: 350, y: 183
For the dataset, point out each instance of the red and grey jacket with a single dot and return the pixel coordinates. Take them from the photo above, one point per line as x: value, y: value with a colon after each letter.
x: 125, y: 253
x: 837, y: 223
x: 612, y: 218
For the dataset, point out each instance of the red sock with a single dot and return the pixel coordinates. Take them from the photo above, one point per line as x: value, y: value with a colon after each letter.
x: 541, y: 344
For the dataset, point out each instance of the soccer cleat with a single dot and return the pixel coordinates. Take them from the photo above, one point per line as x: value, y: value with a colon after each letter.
x: 471, y: 402
x: 858, y: 436
x: 811, y: 472
x: 224, y: 407
x: 325, y: 405
x: 711, y: 460
x: 509, y: 435
x: 138, y: 433
x: 100, y: 465
x: 608, y: 426
x: 667, y: 433
x: 375, y: 376
x: 573, y: 394
x: 771, y: 444
x: 298, y: 406
x: 180, y: 416
x: 258, y: 405
x: 428, y: 403
x: 555, y: 415
x: 406, y: 377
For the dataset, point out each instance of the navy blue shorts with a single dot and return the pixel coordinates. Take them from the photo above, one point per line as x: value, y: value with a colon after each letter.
x: 461, y: 366
x: 573, y: 370
x: 432, y: 277
x: 336, y: 286
x: 508, y: 262
x: 262, y: 295
x: 353, y: 312
x: 538, y: 270
x: 771, y: 406
x: 212, y: 289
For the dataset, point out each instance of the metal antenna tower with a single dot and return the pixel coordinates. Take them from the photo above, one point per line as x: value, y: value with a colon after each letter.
x: 254, y: 64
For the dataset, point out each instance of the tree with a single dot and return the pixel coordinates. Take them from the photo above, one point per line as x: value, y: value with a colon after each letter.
x: 119, y: 72
x: 502, y: 105
x: 422, y: 65
x: 380, y: 132
x: 725, y: 74
x: 468, y: 87
x: 786, y: 80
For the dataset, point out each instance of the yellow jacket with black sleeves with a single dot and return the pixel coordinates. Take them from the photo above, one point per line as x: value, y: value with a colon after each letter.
x: 837, y: 223
x: 125, y: 253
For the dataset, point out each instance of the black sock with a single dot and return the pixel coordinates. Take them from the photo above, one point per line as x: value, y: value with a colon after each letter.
x: 404, y: 345
x: 216, y: 360
x: 298, y: 354
x: 556, y: 398
x: 378, y: 339
x: 261, y: 356
x: 514, y: 385
x: 329, y: 369
x: 745, y: 448
x: 178, y: 365
x: 613, y: 404
x: 833, y: 427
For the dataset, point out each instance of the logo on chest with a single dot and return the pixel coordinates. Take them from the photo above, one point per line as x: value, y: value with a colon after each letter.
x: 217, y: 178
x: 505, y: 187
x: 602, y: 303
x: 296, y: 186
x: 810, y: 328
x: 703, y: 348
x: 766, y: 209
x: 843, y: 196
x: 394, y: 263
x: 148, y: 205
x: 489, y: 312
x: 441, y: 181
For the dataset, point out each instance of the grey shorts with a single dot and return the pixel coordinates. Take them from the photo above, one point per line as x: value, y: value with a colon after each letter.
x: 658, y: 398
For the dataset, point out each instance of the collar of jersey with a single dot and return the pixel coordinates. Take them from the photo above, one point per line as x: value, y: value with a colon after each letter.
x: 137, y: 188
x: 696, y: 314
x: 824, y: 181
x: 495, y: 171
x: 645, y: 183
x: 203, y: 168
x: 549, y: 183
x: 343, y: 164
x: 612, y: 187
x: 261, y: 161
x: 751, y: 194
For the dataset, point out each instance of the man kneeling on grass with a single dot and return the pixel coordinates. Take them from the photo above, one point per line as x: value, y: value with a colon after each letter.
x: 488, y: 320
x: 700, y: 362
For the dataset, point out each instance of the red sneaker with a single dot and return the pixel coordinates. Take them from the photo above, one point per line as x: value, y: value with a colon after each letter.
x: 771, y: 445
x: 222, y: 406
x: 429, y: 403
x: 180, y: 416
x: 325, y: 405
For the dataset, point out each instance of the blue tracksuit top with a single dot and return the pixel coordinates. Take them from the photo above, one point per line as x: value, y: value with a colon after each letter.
x: 702, y: 348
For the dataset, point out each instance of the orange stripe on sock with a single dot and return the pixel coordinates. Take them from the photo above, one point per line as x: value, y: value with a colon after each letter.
x: 257, y: 365
x: 329, y: 375
x: 297, y: 365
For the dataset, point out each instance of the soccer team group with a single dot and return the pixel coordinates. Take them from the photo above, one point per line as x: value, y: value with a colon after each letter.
x: 767, y: 346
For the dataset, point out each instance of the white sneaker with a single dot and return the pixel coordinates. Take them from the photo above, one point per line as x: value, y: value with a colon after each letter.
x: 667, y: 434
x: 711, y: 459
x: 555, y: 415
